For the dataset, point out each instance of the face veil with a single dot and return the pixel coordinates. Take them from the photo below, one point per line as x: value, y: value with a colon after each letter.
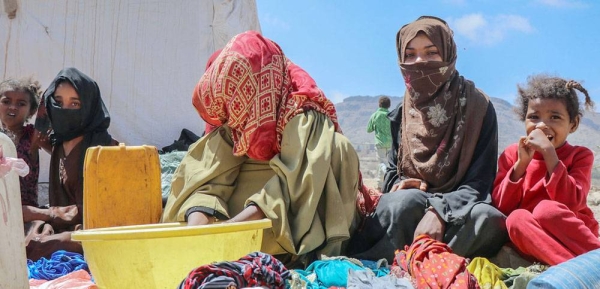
x: 440, y: 110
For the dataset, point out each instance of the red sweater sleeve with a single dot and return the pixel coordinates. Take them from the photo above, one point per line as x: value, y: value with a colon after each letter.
x: 569, y: 183
x: 507, y: 195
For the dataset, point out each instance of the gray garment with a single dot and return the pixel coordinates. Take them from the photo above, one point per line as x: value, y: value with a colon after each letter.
x: 393, y: 224
x: 365, y: 279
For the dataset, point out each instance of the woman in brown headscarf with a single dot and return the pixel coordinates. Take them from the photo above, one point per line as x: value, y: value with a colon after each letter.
x: 446, y: 159
x: 276, y: 152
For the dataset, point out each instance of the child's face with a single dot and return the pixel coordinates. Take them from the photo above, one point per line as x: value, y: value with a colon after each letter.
x: 15, y: 108
x: 550, y: 116
x: 66, y: 96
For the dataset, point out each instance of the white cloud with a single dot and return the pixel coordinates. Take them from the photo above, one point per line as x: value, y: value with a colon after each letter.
x: 336, y: 96
x: 562, y: 3
x: 275, y: 22
x: 491, y: 30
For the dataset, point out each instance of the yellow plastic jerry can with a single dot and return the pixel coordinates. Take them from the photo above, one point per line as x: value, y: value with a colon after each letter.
x: 121, y: 186
x: 13, y: 260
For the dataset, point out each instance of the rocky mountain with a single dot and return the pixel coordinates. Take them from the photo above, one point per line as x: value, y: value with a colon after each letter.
x: 354, y: 112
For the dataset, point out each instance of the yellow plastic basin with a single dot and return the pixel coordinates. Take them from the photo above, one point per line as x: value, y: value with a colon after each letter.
x: 161, y: 255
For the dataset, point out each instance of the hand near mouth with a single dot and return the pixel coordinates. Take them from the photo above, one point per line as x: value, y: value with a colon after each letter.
x: 542, y: 143
x: 539, y: 141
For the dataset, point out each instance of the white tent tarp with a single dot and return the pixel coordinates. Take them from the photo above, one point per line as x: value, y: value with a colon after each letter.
x: 146, y: 56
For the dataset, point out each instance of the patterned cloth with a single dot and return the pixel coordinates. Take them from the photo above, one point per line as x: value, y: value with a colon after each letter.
x: 431, y: 264
x: 442, y: 113
x: 253, y: 88
x: 29, y: 183
x: 60, y: 263
x: 253, y: 270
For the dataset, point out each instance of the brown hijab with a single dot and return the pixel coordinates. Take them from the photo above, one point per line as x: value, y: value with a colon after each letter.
x: 442, y: 112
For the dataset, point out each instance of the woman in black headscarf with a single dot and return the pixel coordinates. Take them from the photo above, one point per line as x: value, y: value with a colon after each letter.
x: 73, y: 112
x: 447, y: 145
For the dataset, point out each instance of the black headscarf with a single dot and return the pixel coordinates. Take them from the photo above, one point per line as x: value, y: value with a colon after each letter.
x: 91, y: 120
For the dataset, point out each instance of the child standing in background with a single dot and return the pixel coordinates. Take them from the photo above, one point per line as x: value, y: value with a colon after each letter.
x: 380, y: 124
x: 19, y: 100
x: 543, y: 182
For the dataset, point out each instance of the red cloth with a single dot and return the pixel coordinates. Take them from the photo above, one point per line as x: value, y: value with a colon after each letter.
x: 431, y: 264
x: 366, y: 199
x: 548, y: 217
x: 253, y: 88
x: 208, y: 128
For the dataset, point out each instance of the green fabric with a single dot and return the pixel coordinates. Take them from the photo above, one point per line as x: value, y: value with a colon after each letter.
x: 520, y: 277
x: 380, y: 124
x: 308, y: 190
x: 488, y: 275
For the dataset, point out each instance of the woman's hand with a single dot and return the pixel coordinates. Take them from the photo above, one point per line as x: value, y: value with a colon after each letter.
x: 199, y: 218
x: 411, y: 183
x: 432, y: 225
x: 250, y: 213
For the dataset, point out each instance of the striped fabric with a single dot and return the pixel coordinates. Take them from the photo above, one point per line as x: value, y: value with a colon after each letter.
x: 580, y: 272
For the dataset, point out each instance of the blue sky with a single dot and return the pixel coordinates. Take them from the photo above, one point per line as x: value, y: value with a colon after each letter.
x: 349, y: 46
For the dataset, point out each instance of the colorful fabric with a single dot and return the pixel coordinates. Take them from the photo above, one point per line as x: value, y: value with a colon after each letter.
x: 29, y: 183
x: 548, y: 217
x: 366, y: 280
x: 60, y: 263
x: 328, y: 273
x: 367, y: 200
x: 442, y: 112
x: 520, y: 277
x: 488, y: 275
x: 254, y: 89
x: 79, y: 279
x: 253, y: 270
x: 431, y: 264
x: 380, y: 124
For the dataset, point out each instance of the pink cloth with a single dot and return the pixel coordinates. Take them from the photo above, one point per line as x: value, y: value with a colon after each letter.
x: 79, y: 279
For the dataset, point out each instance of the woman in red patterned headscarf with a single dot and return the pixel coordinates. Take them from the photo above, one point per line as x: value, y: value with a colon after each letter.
x: 277, y: 152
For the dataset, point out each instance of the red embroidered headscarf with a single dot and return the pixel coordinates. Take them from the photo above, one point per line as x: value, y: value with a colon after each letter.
x: 255, y: 90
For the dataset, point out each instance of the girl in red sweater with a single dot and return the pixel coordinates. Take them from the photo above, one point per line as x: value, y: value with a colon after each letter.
x: 543, y: 182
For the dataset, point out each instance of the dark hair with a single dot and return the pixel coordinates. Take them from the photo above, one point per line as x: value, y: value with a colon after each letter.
x: 384, y: 102
x: 27, y: 85
x: 544, y: 86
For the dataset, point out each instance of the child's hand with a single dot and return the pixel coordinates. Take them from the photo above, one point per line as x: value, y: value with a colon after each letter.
x: 525, y: 151
x: 525, y: 154
x: 538, y: 141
